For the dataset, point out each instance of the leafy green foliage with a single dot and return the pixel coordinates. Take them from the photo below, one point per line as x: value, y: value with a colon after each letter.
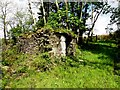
x: 59, y: 19
x: 40, y: 23
x: 115, y: 17
x: 16, y: 31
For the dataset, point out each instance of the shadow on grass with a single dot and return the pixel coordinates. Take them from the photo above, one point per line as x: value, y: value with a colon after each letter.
x: 101, y: 49
x: 108, y: 41
x: 105, y: 48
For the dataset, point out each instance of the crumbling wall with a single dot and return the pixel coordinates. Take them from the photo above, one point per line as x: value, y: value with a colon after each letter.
x: 57, y: 44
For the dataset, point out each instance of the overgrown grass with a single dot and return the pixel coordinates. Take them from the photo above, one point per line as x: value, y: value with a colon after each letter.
x: 92, y: 67
x: 67, y: 77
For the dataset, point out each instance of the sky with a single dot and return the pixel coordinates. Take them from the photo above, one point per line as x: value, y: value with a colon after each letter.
x: 100, y: 25
x: 104, y: 20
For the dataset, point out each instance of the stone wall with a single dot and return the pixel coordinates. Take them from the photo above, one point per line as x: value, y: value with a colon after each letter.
x: 57, y: 44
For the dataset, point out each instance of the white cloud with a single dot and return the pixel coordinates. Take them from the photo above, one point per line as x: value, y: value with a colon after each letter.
x: 101, y: 24
x: 104, y: 20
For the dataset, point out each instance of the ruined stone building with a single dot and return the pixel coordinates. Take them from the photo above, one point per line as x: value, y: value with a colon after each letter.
x: 45, y: 40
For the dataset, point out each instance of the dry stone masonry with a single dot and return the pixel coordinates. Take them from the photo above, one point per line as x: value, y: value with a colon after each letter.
x: 45, y: 40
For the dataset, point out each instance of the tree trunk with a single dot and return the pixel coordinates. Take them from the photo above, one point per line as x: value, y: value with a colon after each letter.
x: 30, y: 10
x: 92, y: 19
x: 72, y: 7
x: 4, y: 29
x: 56, y: 1
x: 95, y: 19
x: 66, y: 14
x: 79, y: 40
x: 85, y: 15
x: 43, y: 12
x: 47, y: 9
x: 81, y: 7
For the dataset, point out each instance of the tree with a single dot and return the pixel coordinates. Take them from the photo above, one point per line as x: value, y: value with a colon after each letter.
x: 5, y: 10
x: 43, y: 14
x: 72, y: 15
x: 97, y: 8
x: 21, y: 23
x: 115, y: 18
x: 56, y: 1
x: 31, y: 12
x: 67, y: 15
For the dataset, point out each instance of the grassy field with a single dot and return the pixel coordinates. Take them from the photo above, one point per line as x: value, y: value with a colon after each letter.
x: 93, y: 67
